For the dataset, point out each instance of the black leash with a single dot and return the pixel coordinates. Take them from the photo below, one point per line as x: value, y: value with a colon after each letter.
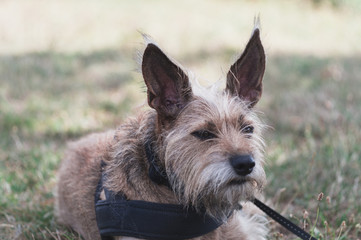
x: 290, y: 226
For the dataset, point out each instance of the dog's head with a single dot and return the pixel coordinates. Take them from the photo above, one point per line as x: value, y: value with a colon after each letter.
x: 209, y: 141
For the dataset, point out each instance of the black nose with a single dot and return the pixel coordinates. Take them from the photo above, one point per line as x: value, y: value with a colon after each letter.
x: 242, y: 164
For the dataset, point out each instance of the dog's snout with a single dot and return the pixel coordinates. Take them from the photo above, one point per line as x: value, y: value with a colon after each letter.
x: 242, y: 164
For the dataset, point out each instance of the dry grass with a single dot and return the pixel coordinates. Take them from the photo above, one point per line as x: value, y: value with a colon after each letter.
x: 66, y: 69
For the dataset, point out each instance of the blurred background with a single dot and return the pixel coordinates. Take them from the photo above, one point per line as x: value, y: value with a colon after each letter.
x: 67, y: 68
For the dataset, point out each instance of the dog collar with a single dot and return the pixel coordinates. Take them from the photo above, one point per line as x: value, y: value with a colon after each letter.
x: 156, y: 172
x: 118, y: 216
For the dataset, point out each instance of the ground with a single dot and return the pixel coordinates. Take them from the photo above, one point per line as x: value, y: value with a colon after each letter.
x: 67, y: 68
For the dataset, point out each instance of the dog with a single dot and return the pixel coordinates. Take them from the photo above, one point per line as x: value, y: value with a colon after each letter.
x: 197, y: 149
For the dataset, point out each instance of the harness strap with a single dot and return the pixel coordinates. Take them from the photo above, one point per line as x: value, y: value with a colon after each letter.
x: 151, y: 220
x: 290, y: 226
x: 118, y: 216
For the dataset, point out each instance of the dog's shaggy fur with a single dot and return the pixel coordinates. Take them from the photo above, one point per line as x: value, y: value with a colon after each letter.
x: 197, y: 134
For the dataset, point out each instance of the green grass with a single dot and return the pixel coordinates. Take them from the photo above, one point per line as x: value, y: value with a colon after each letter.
x: 40, y: 94
x: 75, y: 76
x: 314, y: 144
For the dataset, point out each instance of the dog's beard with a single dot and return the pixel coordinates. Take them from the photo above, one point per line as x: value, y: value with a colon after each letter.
x: 204, y: 178
x: 217, y: 190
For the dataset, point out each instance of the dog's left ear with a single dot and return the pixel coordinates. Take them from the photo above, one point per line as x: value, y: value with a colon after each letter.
x: 245, y: 75
x: 168, y: 86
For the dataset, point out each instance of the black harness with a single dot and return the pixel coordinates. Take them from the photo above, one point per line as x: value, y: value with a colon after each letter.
x: 118, y: 216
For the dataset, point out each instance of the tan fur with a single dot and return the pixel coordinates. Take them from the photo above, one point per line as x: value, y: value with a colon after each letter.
x: 80, y: 172
x: 199, y: 171
x: 78, y: 175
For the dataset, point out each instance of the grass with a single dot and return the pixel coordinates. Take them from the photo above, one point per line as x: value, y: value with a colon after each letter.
x: 72, y: 75
x: 314, y: 146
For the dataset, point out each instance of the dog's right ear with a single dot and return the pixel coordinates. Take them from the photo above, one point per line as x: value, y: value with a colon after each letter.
x: 168, y: 87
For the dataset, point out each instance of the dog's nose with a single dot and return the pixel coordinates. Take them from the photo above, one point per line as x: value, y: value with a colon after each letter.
x: 242, y: 164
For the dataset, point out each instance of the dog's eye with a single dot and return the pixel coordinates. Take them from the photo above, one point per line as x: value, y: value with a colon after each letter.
x: 248, y: 129
x: 203, y: 135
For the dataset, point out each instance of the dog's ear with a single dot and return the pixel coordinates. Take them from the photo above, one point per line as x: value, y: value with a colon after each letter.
x: 168, y: 87
x: 245, y: 75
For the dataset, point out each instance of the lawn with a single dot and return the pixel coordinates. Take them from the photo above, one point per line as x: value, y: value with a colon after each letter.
x: 67, y: 68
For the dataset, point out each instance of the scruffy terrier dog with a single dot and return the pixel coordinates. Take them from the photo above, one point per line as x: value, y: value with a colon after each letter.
x: 198, y: 151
